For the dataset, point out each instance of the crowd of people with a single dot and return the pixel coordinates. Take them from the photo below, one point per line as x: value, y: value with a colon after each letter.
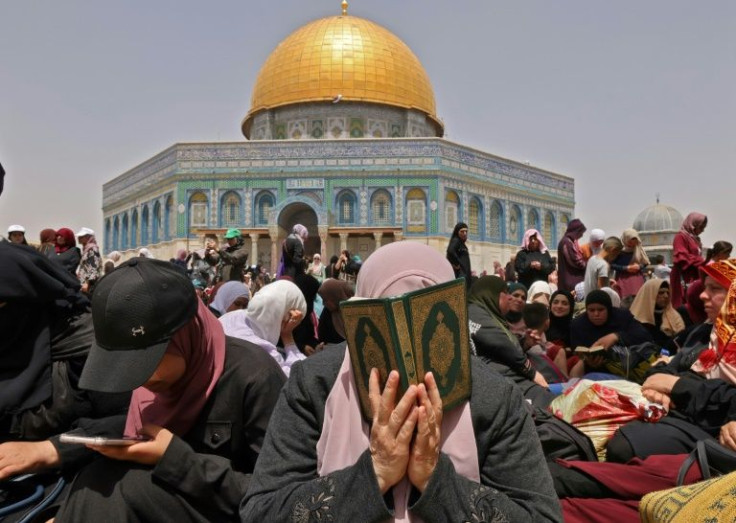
x: 240, y: 400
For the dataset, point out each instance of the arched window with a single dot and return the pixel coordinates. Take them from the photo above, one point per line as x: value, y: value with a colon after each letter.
x: 156, y: 231
x: 532, y: 220
x: 497, y: 224
x: 116, y: 234
x: 145, y: 225
x: 124, y: 233
x: 198, y: 210
x: 231, y: 209
x: 475, y: 217
x: 169, y: 219
x: 134, y: 229
x: 452, y: 208
x: 549, y: 232
x: 108, y: 235
x: 564, y: 221
x: 516, y: 226
x: 381, y: 207
x: 416, y: 210
x: 264, y: 203
x: 346, y: 207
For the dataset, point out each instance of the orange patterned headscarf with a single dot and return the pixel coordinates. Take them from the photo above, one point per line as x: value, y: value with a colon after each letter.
x: 719, y: 359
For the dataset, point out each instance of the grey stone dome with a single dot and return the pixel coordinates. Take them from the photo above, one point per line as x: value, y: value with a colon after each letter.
x: 658, y: 218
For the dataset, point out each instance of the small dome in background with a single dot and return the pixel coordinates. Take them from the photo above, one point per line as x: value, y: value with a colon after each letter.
x: 658, y: 218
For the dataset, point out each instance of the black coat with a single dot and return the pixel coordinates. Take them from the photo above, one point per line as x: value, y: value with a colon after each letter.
x: 526, y: 274
x: 459, y: 257
x: 202, y: 476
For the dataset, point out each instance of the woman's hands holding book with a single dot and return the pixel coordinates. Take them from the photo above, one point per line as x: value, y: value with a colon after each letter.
x: 426, y: 448
x: 392, y: 429
x: 392, y: 451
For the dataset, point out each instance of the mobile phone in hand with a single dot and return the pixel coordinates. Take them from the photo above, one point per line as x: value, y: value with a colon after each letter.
x: 102, y: 441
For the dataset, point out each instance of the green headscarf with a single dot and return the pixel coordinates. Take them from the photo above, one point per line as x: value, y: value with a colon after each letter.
x: 485, y: 293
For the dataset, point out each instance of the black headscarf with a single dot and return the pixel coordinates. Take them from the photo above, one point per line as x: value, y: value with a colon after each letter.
x: 458, y: 227
x: 485, y: 293
x: 584, y: 333
x: 559, y: 328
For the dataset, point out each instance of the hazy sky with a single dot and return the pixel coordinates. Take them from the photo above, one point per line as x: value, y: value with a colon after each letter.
x: 630, y: 98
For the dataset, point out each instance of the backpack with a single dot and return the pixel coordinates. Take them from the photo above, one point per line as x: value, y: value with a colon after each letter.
x: 559, y: 439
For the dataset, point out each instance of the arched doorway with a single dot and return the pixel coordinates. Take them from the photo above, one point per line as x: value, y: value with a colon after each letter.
x: 299, y: 212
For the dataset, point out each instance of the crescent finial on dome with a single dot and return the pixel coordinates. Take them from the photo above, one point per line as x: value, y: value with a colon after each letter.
x: 344, y: 7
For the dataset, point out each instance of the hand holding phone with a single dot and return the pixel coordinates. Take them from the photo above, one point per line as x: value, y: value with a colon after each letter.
x: 146, y: 452
x: 101, y: 441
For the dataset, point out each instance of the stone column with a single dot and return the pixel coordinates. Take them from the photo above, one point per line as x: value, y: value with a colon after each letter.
x: 254, y: 247
x: 398, y: 236
x: 343, y: 241
x: 322, y: 231
x: 274, y: 253
x: 377, y: 236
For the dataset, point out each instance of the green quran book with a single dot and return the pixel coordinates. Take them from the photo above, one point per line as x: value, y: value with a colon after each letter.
x: 417, y: 332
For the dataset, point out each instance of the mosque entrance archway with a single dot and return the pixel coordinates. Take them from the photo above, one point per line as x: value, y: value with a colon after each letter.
x: 299, y: 212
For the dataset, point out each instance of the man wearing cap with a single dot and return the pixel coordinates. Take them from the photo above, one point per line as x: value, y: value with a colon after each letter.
x: 203, y: 399
x: 90, y: 266
x: 231, y: 260
x: 17, y: 234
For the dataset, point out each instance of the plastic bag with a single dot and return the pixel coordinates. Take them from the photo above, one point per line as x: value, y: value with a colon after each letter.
x: 599, y: 408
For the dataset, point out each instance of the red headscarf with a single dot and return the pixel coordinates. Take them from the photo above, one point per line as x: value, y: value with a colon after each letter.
x: 70, y: 240
x: 719, y: 359
x: 691, y: 221
x: 201, y: 343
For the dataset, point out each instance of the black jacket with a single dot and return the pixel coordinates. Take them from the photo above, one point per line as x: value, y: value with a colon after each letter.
x: 459, y: 257
x: 526, y: 274
x: 210, y: 466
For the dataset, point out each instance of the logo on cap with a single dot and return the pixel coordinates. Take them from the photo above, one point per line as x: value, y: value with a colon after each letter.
x: 138, y: 331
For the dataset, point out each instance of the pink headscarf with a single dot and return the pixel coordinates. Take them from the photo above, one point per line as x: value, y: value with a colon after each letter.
x: 345, y: 435
x: 528, y: 235
x: 691, y: 221
x: 201, y: 343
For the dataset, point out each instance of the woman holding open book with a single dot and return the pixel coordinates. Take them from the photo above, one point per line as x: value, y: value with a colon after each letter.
x: 322, y: 459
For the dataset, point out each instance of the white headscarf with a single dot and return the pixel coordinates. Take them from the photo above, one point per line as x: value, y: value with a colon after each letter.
x: 538, y: 287
x: 266, y: 312
x: 228, y: 293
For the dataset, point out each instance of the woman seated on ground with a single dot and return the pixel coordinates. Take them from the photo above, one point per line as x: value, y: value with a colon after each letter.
x: 606, y: 326
x: 653, y: 309
x: 203, y: 399
x: 561, y: 310
x: 533, y: 261
x: 697, y: 404
x: 229, y: 296
x: 272, y: 314
x: 515, y: 315
x: 488, y: 302
x: 321, y: 459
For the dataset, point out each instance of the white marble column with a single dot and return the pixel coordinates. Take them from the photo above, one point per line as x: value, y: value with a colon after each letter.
x: 377, y: 236
x: 254, y: 247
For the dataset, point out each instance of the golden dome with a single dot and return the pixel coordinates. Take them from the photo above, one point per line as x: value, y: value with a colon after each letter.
x: 347, y: 56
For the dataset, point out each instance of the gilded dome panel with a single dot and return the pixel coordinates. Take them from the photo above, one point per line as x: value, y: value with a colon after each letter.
x: 347, y: 56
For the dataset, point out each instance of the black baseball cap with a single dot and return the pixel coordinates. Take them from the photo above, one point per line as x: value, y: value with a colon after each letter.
x: 136, y: 309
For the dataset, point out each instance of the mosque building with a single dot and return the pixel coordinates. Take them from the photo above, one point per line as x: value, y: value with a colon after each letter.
x: 343, y: 137
x: 657, y: 226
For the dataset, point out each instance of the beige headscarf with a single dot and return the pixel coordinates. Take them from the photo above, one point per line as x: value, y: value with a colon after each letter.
x: 643, y: 308
x: 640, y: 256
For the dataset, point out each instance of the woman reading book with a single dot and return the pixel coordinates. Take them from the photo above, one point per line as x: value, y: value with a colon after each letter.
x: 411, y: 460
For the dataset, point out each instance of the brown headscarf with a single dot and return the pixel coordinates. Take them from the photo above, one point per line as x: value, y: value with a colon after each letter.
x: 640, y: 256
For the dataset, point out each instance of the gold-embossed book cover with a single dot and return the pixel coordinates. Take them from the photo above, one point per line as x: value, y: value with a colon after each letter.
x: 417, y: 332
